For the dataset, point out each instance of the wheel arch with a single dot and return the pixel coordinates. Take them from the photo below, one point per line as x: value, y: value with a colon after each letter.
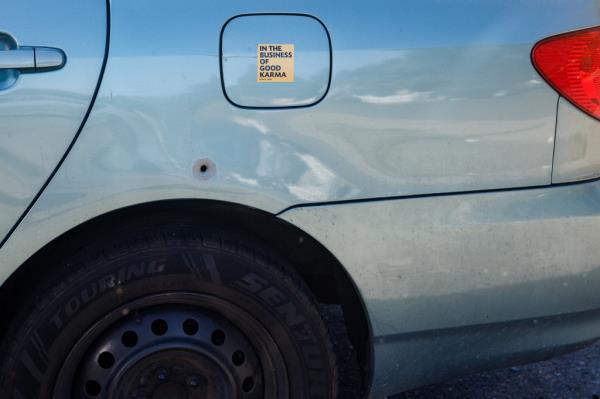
x: 315, y: 264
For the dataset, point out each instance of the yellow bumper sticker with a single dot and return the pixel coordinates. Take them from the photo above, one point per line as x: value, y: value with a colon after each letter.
x: 275, y: 63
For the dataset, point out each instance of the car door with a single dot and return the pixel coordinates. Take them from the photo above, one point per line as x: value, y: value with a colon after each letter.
x: 51, y: 56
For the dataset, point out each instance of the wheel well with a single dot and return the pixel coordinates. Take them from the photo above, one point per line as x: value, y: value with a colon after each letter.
x: 321, y: 271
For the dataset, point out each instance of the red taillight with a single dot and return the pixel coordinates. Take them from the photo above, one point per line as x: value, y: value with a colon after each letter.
x: 571, y: 64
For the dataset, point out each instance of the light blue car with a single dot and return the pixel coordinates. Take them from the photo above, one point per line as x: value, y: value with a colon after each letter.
x: 187, y: 186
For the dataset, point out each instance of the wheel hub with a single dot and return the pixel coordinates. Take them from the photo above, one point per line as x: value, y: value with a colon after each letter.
x: 174, y: 374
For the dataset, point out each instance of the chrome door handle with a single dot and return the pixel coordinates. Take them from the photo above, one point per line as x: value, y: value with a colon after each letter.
x: 20, y: 58
x: 32, y: 59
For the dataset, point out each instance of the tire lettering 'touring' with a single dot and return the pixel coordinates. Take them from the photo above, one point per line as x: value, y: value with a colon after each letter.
x: 103, y: 284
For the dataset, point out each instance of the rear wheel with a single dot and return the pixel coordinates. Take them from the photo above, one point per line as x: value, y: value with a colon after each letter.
x: 180, y: 314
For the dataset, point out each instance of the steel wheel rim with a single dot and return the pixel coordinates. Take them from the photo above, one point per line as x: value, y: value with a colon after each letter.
x: 233, y: 368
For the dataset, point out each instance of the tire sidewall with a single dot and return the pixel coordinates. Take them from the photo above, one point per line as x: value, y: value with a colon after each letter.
x: 241, y: 277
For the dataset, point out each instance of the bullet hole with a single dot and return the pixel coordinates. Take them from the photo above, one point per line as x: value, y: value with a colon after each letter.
x: 204, y: 169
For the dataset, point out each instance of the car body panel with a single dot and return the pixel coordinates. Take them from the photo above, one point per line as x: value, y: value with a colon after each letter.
x: 426, y: 98
x: 428, y: 265
x: 41, y: 112
x: 364, y: 140
x: 161, y: 108
x: 445, y: 261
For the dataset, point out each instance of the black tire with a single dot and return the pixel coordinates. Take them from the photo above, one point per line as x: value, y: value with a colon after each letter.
x: 140, y: 279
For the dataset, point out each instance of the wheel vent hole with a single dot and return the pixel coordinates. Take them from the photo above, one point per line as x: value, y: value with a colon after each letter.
x: 129, y: 338
x: 159, y: 327
x: 248, y: 384
x: 92, y: 388
x: 106, y: 360
x: 218, y: 337
x: 190, y: 326
x: 238, y: 358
